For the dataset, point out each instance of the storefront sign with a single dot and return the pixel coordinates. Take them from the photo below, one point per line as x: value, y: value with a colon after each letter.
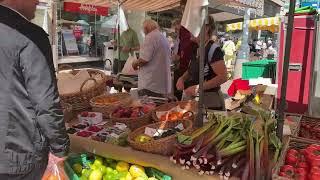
x: 312, y: 3
x: 85, y: 8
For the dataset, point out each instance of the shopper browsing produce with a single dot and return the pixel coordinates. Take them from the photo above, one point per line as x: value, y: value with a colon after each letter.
x: 215, y: 72
x: 31, y: 118
x: 154, y: 63
x: 129, y: 43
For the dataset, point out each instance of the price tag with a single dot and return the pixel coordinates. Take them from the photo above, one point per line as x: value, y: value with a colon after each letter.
x: 180, y: 127
x: 150, y: 131
x: 159, y: 132
x: 114, y: 135
x: 286, y: 130
x: 121, y: 126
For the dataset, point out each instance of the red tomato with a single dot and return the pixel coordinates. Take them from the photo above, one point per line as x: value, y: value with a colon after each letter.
x: 314, y: 176
x: 288, y: 170
x: 283, y: 174
x: 313, y: 155
x: 291, y: 159
x: 315, y: 169
x: 303, y: 165
x: 301, y: 172
x: 293, y: 152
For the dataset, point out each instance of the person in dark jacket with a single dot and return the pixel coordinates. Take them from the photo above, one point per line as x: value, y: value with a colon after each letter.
x: 31, y: 118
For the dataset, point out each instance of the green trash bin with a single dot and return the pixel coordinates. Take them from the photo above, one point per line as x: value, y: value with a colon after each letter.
x: 261, y: 68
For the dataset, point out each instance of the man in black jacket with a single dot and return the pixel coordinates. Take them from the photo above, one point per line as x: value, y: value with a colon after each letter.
x: 31, y: 118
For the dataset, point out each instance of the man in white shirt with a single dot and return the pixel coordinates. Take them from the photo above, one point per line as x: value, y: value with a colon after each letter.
x: 154, y: 63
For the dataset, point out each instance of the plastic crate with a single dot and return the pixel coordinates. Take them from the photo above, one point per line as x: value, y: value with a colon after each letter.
x: 69, y: 162
x: 261, y: 68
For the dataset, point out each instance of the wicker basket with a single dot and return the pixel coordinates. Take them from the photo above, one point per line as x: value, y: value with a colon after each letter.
x: 81, y: 100
x: 296, y: 119
x: 290, y: 142
x: 164, y: 146
x: 308, y: 120
x: 67, y: 112
x: 124, y: 100
x: 133, y: 123
x: 190, y: 106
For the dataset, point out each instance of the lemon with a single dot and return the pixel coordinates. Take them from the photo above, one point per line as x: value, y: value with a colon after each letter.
x: 122, y: 166
x: 77, y: 168
x: 137, y: 171
x: 95, y: 175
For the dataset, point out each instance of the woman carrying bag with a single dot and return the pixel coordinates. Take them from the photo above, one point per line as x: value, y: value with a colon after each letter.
x: 215, y: 72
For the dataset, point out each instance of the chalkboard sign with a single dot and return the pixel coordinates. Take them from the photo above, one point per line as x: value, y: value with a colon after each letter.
x: 70, y: 42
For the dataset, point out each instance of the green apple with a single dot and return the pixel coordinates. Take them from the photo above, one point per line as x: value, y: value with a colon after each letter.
x: 109, y: 170
x: 103, y: 169
x: 96, y: 175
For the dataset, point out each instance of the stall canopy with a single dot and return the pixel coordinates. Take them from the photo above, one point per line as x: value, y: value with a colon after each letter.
x: 161, y: 5
x: 269, y: 24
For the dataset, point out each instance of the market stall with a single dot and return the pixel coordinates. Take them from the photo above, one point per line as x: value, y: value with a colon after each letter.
x: 267, y: 24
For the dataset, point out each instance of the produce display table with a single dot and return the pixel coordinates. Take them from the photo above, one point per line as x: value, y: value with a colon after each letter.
x: 79, y: 144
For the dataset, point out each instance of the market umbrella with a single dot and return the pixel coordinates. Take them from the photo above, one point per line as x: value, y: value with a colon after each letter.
x: 110, y: 23
x: 63, y: 21
x: 83, y: 23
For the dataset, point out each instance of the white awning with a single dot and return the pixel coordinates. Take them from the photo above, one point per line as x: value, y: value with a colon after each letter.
x: 152, y: 5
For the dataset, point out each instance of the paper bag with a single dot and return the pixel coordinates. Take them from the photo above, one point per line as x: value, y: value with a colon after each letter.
x: 128, y: 69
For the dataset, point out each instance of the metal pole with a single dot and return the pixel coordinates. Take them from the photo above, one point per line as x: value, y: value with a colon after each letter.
x: 95, y: 34
x: 244, y: 53
x: 199, y: 122
x: 118, y: 41
x: 286, y: 61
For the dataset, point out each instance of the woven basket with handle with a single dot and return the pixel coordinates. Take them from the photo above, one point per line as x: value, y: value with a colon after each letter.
x: 289, y: 143
x: 189, y: 106
x: 81, y: 100
x: 133, y: 123
x: 122, y: 99
x: 163, y: 146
